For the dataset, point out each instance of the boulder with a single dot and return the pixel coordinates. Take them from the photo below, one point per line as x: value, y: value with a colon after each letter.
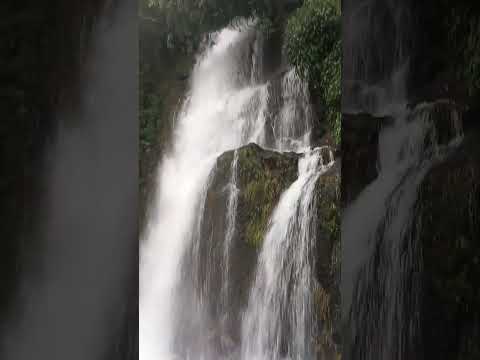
x: 262, y: 177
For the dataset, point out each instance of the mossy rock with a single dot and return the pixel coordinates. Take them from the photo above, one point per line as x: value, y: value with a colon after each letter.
x: 262, y: 177
x: 327, y: 261
x: 448, y: 214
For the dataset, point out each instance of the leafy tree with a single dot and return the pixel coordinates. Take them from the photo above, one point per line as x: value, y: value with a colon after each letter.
x: 314, y: 47
x: 191, y: 18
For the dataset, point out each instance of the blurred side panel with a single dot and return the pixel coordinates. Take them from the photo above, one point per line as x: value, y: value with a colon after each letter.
x: 69, y: 180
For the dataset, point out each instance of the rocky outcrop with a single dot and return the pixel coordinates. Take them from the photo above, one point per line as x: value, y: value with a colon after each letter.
x: 328, y: 262
x: 262, y: 177
x: 449, y: 223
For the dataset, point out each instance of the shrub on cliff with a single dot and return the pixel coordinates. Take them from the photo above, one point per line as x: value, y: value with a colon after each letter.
x: 313, y: 45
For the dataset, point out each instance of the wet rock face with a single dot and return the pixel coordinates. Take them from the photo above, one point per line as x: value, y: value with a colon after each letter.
x: 262, y: 177
x: 327, y: 201
x: 327, y: 262
x: 449, y: 216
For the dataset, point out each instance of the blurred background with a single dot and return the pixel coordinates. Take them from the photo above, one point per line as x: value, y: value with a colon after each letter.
x: 68, y: 182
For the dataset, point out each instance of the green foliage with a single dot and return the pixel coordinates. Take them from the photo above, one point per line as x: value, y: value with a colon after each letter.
x: 190, y: 19
x: 327, y: 194
x: 464, y: 38
x: 314, y: 47
x: 160, y: 91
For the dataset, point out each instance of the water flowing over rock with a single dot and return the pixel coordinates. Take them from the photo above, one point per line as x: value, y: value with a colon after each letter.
x: 222, y: 261
x: 377, y: 45
x: 405, y: 148
x: 280, y: 320
x: 382, y: 273
x: 238, y: 142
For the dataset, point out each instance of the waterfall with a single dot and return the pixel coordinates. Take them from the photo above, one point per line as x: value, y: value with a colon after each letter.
x: 382, y: 266
x: 289, y: 133
x: 229, y: 104
x: 381, y: 281
x: 279, y: 321
x: 378, y: 43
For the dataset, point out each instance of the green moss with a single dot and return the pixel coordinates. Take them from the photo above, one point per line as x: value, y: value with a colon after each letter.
x: 328, y: 199
x: 262, y: 177
x: 187, y: 20
x: 328, y: 267
x: 261, y: 195
x: 332, y: 222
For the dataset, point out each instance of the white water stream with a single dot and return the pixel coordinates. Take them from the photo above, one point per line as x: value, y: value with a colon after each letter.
x: 280, y: 319
x: 227, y: 107
x: 382, y: 260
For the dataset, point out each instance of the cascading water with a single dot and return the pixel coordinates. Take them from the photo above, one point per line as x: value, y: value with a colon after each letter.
x: 227, y: 106
x: 382, y: 260
x: 289, y: 133
x: 231, y: 221
x: 280, y: 320
x: 382, y: 279
x: 379, y: 40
